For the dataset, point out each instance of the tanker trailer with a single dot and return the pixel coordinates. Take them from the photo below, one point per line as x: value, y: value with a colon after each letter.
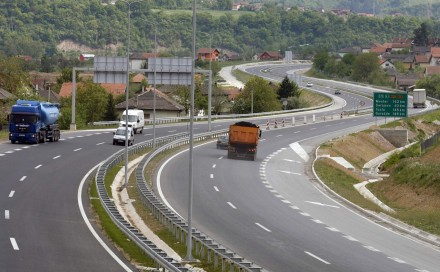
x: 34, y: 122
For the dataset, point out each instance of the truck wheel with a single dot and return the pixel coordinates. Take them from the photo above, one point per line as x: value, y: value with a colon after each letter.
x: 12, y: 142
x: 142, y: 130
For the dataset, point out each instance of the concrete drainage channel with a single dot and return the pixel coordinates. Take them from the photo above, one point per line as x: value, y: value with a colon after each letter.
x: 205, y: 247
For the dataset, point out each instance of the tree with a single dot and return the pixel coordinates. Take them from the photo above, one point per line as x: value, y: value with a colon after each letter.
x: 320, y: 60
x: 110, y: 113
x: 421, y: 35
x: 287, y: 89
x: 264, y: 97
x: 12, y: 75
x: 365, y: 65
x: 91, y: 100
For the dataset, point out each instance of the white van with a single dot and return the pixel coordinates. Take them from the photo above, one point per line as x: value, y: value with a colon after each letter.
x: 135, y: 120
x: 119, y: 136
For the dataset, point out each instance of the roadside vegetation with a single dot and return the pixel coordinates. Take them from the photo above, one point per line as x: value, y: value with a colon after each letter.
x: 411, y: 186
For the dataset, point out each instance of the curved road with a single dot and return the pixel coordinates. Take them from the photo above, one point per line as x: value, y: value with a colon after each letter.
x: 272, y: 212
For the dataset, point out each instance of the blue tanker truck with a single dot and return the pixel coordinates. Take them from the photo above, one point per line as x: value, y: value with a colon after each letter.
x: 34, y: 122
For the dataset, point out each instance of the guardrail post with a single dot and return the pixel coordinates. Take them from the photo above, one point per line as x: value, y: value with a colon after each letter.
x: 305, y: 119
x: 223, y: 265
x: 215, y: 260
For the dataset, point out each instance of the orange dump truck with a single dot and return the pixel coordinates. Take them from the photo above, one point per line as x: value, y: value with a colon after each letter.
x: 243, y: 140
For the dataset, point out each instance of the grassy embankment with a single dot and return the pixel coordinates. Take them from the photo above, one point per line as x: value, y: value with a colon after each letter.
x: 413, y: 186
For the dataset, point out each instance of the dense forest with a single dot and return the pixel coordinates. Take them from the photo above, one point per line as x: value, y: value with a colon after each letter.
x: 36, y: 28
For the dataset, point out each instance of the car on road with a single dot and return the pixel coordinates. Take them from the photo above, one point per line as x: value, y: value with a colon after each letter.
x: 119, y: 136
x: 309, y: 84
x: 337, y: 91
x: 223, y: 142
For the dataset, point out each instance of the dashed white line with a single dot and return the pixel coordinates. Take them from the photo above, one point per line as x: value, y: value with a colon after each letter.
x: 17, y: 149
x: 304, y: 214
x: 101, y: 143
x: 11, y: 194
x: 294, y: 207
x: 316, y: 257
x: 263, y: 227
x: 288, y: 172
x: 23, y: 178
x: 397, y: 260
x: 351, y: 238
x: 232, y: 205
x: 211, y: 176
x: 1, y: 155
x: 317, y: 221
x: 291, y: 161
x: 172, y: 130
x: 332, y: 229
x: 38, y: 166
x: 78, y: 149
x: 312, y: 128
x: 216, y: 189
x: 221, y: 157
x: 9, y: 152
x: 213, y: 166
x: 286, y: 201
x: 279, y: 135
x: 6, y: 214
x: 57, y: 157
x: 372, y: 248
x: 14, y: 243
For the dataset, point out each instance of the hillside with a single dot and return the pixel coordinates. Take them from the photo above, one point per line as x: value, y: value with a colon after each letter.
x: 411, y: 185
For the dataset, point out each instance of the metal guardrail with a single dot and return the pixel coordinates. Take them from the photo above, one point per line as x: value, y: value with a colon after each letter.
x: 204, y: 246
x: 149, y: 247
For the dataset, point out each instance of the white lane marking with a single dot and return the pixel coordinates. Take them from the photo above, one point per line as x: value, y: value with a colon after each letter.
x: 56, y: 157
x: 421, y: 270
x: 312, y: 128
x: 71, y: 137
x: 14, y: 243
x: 23, y: 178
x: 286, y: 201
x: 1, y: 155
x: 291, y: 161
x: 221, y: 157
x: 297, y: 132
x: 332, y: 229
x: 262, y: 140
x: 89, y: 225
x: 278, y: 196
x: 328, y: 125
x: 17, y: 149
x: 317, y: 221
x: 101, y: 143
x: 322, y: 204
x: 89, y: 134
x: 232, y: 205
x: 397, y: 260
x: 216, y: 189
x: 304, y: 214
x: 294, y: 207
x: 351, y: 238
x: 372, y: 248
x: 80, y: 136
x: 213, y: 166
x: 78, y: 149
x: 148, y: 134
x: 26, y: 147
x: 6, y: 214
x: 9, y: 152
x: 11, y: 194
x: 172, y: 130
x: 299, y: 150
x: 38, y: 166
x: 211, y: 176
x: 263, y: 227
x: 316, y: 257
x: 288, y: 172
x: 279, y: 135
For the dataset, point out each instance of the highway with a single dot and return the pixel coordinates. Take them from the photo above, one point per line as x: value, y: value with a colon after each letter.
x: 263, y: 211
x: 273, y: 212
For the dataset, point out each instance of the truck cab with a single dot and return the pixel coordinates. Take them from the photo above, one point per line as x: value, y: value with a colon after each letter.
x: 136, y: 120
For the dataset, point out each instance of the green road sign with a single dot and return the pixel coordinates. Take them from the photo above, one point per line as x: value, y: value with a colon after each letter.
x: 390, y: 105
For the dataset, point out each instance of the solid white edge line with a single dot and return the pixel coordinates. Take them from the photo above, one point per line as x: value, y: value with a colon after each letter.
x: 89, y: 225
x: 316, y: 257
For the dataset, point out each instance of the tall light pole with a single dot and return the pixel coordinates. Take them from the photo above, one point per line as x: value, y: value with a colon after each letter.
x: 189, y: 256
x: 154, y: 89
x: 210, y: 81
x: 129, y: 3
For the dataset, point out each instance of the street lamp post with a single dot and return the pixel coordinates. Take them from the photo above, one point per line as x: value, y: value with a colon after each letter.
x: 127, y: 89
